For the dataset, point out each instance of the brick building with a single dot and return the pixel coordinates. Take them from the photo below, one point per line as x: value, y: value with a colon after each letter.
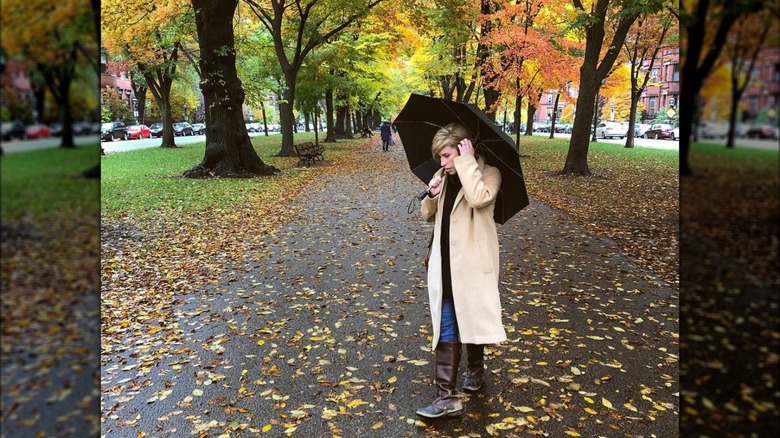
x: 119, y: 81
x: 15, y: 81
x: 663, y: 89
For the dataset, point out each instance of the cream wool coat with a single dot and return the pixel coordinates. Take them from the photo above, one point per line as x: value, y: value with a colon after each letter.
x: 473, y: 254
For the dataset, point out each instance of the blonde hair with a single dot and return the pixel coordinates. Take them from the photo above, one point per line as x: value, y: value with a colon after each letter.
x: 449, y: 135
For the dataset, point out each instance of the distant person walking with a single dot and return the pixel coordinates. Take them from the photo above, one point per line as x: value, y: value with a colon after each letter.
x: 386, y: 135
x: 463, y: 266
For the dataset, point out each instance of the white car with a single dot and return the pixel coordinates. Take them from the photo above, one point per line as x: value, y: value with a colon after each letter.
x: 611, y: 130
x: 640, y: 129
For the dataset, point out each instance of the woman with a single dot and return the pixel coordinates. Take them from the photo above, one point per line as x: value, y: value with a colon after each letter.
x: 386, y: 135
x: 463, y: 266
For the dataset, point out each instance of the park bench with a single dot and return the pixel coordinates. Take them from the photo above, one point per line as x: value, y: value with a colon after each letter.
x: 308, y: 153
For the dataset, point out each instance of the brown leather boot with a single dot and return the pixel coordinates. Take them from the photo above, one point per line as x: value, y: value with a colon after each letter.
x: 448, y: 401
x: 475, y: 355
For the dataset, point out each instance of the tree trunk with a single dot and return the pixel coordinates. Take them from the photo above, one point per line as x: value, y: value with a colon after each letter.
x: 518, y: 114
x: 689, y: 88
x: 339, y: 129
x: 168, y: 140
x: 287, y: 118
x: 592, y: 71
x: 229, y: 152
x: 265, y: 118
x: 58, y: 81
x: 140, y: 95
x: 577, y: 157
x: 330, y: 134
x: 67, y: 117
x: 348, y: 123
x: 160, y: 86
x: 529, y: 124
x: 554, y: 115
x: 632, y: 112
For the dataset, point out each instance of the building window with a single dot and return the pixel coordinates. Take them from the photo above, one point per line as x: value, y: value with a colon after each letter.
x: 654, y: 75
x: 676, y: 73
x: 651, y: 106
x: 549, y: 98
x: 777, y: 73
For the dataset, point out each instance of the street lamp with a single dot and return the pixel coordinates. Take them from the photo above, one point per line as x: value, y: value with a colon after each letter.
x: 186, y: 118
x: 612, y: 116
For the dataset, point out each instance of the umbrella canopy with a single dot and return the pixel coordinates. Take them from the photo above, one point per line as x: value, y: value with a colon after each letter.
x: 423, y: 116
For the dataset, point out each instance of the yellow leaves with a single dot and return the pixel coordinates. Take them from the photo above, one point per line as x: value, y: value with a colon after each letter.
x: 377, y: 425
x: 355, y: 403
x: 46, y: 32
x: 571, y: 433
x: 392, y: 379
x: 606, y: 403
x: 197, y: 392
x: 590, y: 411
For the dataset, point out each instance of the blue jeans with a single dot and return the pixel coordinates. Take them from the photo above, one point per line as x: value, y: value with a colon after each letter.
x: 449, y: 323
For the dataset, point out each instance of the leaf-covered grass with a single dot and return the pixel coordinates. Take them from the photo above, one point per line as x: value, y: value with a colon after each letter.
x: 732, y: 199
x: 145, y: 183
x: 42, y: 184
x: 50, y: 275
x: 730, y: 216
x: 632, y: 196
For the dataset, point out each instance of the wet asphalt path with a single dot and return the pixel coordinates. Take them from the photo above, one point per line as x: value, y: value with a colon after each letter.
x: 324, y: 331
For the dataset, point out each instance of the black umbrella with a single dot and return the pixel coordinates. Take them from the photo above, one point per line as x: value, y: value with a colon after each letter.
x: 422, y: 116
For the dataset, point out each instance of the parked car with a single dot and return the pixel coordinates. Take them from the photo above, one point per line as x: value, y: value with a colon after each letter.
x: 156, y: 129
x: 611, y: 130
x: 660, y: 130
x: 38, y: 130
x: 762, y: 131
x: 541, y: 127
x: 139, y: 131
x: 713, y: 129
x: 676, y: 133
x: 182, y: 128
x: 640, y: 129
x: 199, y: 128
x: 11, y: 130
x: 55, y: 129
x: 111, y: 130
x: 81, y: 128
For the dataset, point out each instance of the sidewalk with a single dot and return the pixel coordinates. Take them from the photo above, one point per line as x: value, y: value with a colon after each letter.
x: 327, y: 333
x: 10, y: 147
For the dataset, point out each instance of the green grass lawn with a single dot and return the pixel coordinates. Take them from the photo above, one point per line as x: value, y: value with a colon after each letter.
x: 746, y: 160
x: 47, y: 183
x: 146, y: 183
